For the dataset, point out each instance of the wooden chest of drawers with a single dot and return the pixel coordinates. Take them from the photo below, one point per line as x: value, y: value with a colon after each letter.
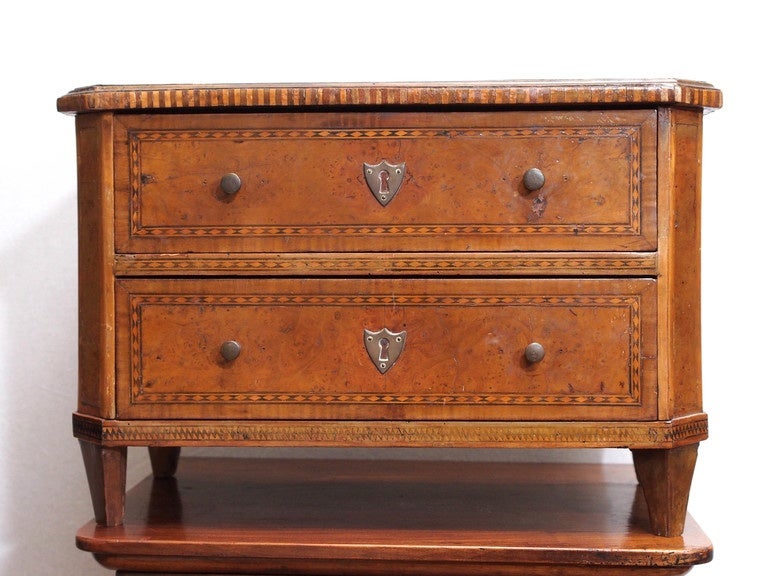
x: 477, y: 265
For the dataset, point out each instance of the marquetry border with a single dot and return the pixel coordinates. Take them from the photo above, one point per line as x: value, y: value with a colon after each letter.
x: 534, y: 93
x: 632, y: 133
x: 652, y: 434
x: 475, y: 264
x: 631, y: 302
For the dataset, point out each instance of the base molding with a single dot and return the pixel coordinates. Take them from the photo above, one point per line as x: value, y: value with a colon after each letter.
x: 653, y: 434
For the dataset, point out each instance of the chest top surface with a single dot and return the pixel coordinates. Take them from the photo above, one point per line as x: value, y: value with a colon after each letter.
x: 534, y: 93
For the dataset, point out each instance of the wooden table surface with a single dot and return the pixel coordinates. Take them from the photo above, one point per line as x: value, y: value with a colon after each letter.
x: 380, y: 517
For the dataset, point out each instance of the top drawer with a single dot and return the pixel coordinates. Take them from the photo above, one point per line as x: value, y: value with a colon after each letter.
x: 394, y: 181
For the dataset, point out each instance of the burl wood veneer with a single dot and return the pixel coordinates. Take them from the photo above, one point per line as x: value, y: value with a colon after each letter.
x: 510, y: 265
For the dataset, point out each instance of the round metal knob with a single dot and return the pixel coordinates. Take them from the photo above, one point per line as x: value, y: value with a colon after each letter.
x: 230, y: 183
x: 533, y: 179
x: 230, y: 350
x: 534, y: 352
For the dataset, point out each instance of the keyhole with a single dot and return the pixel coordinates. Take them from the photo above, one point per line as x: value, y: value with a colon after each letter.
x: 384, y: 350
x: 383, y: 184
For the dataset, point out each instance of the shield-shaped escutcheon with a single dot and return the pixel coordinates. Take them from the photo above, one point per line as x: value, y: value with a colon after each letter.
x: 384, y: 347
x: 384, y: 180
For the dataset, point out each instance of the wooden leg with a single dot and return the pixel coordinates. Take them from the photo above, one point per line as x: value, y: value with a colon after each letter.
x: 164, y: 460
x: 665, y: 476
x: 105, y: 470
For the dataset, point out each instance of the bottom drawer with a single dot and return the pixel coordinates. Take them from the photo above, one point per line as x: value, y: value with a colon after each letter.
x: 396, y: 349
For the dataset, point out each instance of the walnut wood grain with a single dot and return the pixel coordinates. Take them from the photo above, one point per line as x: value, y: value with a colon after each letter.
x: 666, y: 476
x: 382, y: 517
x: 105, y: 468
x: 95, y: 255
x: 680, y: 265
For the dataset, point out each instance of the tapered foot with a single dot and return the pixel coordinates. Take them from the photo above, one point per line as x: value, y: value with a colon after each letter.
x: 164, y: 460
x: 666, y: 476
x: 105, y: 469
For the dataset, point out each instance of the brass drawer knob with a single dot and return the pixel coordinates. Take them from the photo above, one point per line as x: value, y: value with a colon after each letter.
x: 534, y: 353
x: 230, y: 183
x: 533, y: 179
x: 230, y: 350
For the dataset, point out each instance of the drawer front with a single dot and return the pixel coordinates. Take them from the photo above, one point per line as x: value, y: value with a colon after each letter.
x: 452, y: 181
x: 457, y: 349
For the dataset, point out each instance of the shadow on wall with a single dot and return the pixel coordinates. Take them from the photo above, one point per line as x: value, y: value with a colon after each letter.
x: 46, y: 499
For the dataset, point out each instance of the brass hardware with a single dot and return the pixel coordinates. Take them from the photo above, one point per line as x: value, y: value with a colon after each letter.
x: 534, y: 352
x: 230, y: 183
x: 230, y: 350
x: 384, y: 347
x: 533, y: 179
x: 384, y: 180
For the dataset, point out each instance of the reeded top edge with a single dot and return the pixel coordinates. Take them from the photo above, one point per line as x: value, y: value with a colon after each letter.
x: 140, y: 97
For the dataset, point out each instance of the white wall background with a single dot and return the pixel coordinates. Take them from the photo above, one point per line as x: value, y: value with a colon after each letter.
x: 48, y: 48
